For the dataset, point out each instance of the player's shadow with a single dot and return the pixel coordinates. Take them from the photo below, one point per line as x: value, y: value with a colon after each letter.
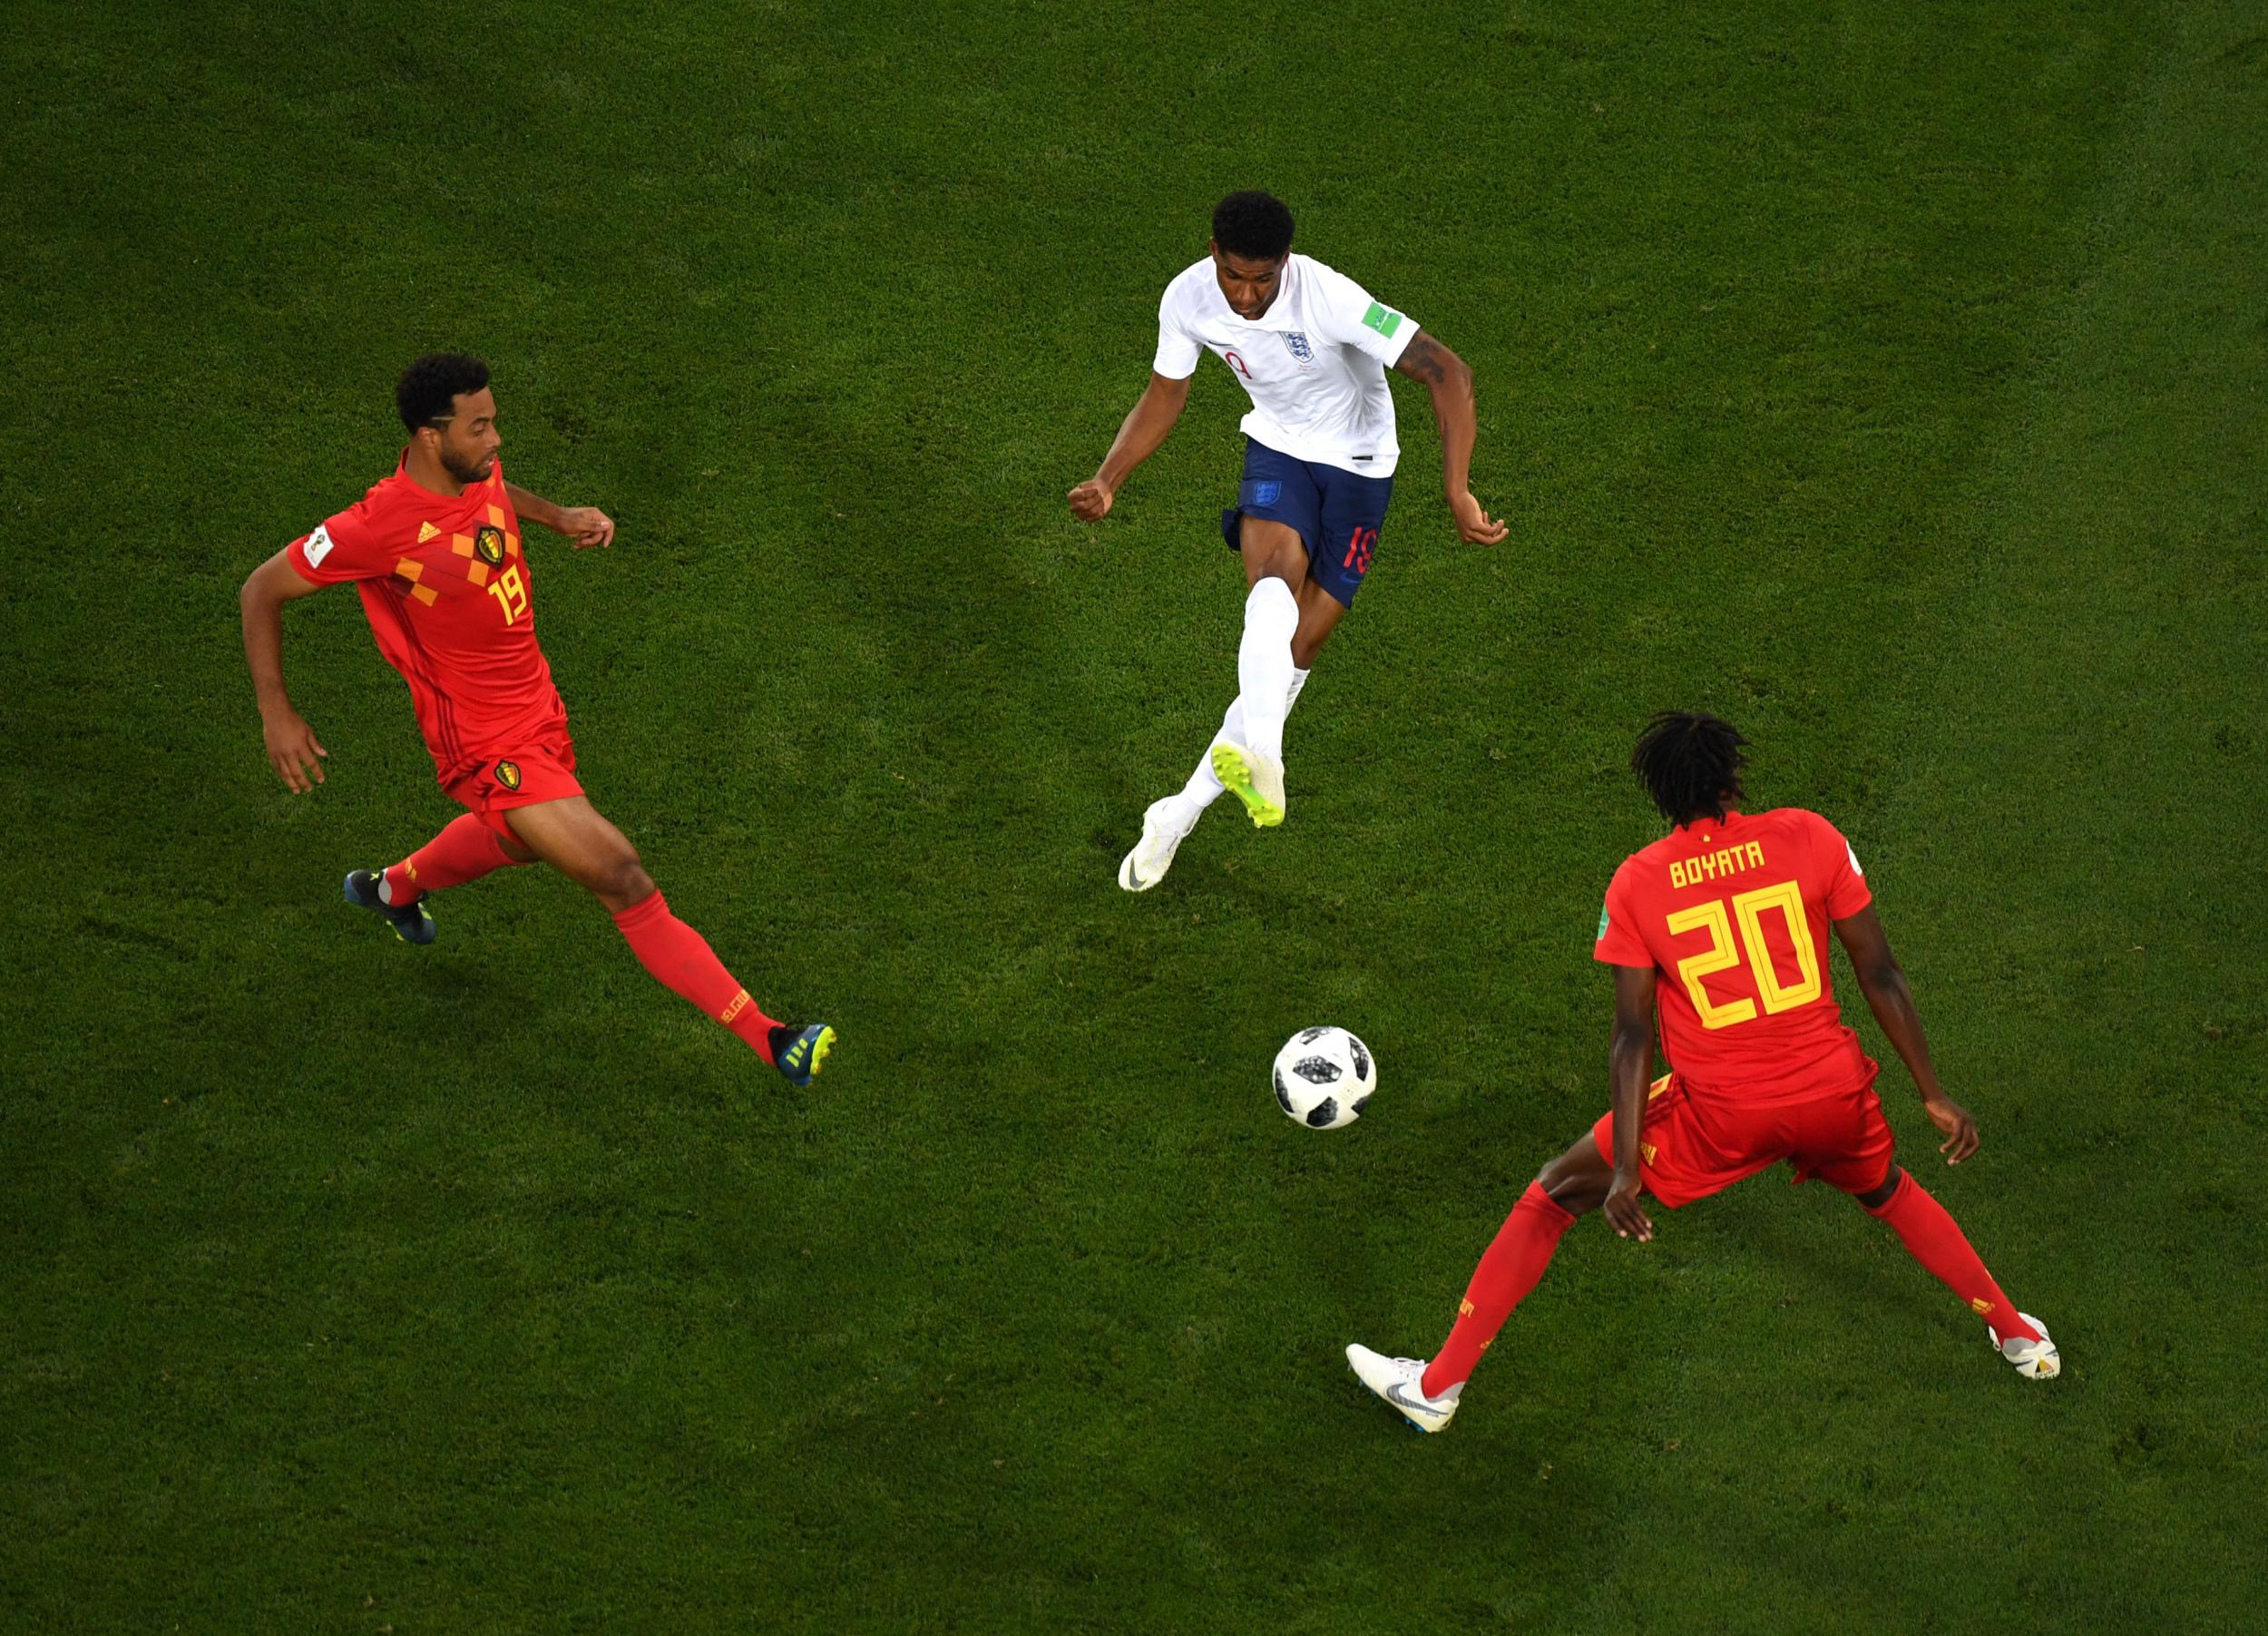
x: 1828, y: 1241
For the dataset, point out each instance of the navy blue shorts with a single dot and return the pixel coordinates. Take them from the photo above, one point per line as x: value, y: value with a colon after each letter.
x: 1336, y: 513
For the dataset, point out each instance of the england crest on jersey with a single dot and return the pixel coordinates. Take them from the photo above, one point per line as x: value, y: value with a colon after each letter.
x: 1295, y: 343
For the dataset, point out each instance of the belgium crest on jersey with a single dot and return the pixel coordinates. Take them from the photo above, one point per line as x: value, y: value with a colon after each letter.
x: 489, y: 542
x: 507, y: 772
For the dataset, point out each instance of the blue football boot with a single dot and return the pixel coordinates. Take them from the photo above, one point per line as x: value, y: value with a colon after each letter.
x: 411, y: 925
x: 799, y: 1050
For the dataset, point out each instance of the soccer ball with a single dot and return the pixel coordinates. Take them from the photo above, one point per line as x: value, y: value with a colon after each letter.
x: 1324, y: 1076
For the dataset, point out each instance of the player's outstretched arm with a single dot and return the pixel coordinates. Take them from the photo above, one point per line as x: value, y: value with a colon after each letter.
x: 1629, y: 1068
x: 1883, y: 982
x: 1144, y: 430
x: 586, y: 526
x: 292, y: 747
x: 1449, y: 381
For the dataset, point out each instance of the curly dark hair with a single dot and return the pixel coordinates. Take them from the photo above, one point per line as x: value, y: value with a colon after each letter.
x: 429, y: 388
x: 1690, y: 764
x: 1254, y: 224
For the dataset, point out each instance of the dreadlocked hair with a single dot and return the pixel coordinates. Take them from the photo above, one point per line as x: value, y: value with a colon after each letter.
x: 1690, y: 764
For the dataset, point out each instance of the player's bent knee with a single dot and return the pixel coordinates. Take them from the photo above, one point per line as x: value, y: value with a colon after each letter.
x: 1290, y: 568
x: 1879, y: 1196
x: 1577, y: 1180
x: 621, y: 881
x: 1577, y: 1195
x: 1274, y: 551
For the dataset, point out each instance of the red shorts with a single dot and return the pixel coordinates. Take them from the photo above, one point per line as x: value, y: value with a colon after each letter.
x: 1691, y: 1146
x: 542, y: 772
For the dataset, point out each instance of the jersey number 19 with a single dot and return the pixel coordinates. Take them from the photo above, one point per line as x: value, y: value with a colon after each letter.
x: 511, y: 592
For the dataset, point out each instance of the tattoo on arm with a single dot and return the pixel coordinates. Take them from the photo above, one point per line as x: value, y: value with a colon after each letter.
x: 1424, y: 358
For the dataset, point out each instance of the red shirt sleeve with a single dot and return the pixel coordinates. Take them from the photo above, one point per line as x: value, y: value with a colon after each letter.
x: 355, y: 544
x: 1618, y: 941
x: 1847, y: 892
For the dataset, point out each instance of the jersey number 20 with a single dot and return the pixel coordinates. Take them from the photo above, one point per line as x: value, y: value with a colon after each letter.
x: 1749, y: 909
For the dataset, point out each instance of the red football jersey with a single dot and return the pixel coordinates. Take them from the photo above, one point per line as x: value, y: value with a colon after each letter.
x: 1734, y: 917
x: 451, y: 601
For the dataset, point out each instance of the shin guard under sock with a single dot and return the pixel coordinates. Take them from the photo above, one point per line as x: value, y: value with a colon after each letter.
x: 465, y: 850
x: 682, y: 962
x: 1510, y: 1269
x: 1934, y: 1239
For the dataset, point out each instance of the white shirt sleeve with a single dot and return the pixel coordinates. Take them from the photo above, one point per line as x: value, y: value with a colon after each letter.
x: 1177, y: 351
x: 1352, y: 317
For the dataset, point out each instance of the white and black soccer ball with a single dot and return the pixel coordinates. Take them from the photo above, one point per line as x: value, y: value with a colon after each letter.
x: 1324, y: 1076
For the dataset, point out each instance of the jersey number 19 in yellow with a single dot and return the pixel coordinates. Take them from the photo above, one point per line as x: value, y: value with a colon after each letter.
x: 1748, y: 909
x: 511, y: 592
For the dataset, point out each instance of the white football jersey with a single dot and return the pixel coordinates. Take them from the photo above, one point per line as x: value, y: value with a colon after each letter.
x: 1315, y: 363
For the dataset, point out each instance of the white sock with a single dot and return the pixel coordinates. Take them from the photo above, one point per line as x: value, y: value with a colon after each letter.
x: 1203, y: 788
x: 1264, y: 665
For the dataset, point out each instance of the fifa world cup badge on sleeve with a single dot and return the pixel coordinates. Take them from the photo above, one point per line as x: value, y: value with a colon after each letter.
x: 319, y: 545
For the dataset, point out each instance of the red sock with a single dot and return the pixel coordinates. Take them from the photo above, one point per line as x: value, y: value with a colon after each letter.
x: 465, y: 850
x: 1937, y: 1241
x: 681, y: 961
x: 1506, y: 1274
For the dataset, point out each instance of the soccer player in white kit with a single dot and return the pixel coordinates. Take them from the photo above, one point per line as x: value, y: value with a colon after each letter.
x: 1312, y: 348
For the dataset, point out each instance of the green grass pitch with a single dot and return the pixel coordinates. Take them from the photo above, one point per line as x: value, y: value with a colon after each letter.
x: 1889, y: 379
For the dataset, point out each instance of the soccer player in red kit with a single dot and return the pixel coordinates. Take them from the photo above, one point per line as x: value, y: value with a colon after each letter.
x: 436, y: 552
x: 1722, y: 926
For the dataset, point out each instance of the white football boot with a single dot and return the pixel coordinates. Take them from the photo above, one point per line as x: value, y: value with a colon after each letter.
x: 2034, y: 1360
x: 1252, y: 780
x: 1400, y: 1381
x: 1145, y: 866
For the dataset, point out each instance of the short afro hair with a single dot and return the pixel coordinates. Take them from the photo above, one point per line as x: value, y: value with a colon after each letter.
x: 429, y: 388
x: 1254, y: 224
x: 1690, y: 764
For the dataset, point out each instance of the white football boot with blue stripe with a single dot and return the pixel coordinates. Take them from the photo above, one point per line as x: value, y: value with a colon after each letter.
x: 1401, y: 1382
